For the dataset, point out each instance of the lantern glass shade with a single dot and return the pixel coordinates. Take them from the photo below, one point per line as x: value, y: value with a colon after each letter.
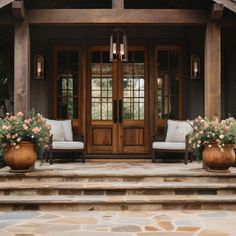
x: 118, y: 45
x: 195, y: 67
x: 39, y: 67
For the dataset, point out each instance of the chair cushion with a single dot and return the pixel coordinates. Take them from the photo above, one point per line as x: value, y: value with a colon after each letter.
x: 67, y: 145
x: 61, y: 130
x: 67, y: 130
x: 177, y: 130
x: 56, y: 130
x: 168, y: 145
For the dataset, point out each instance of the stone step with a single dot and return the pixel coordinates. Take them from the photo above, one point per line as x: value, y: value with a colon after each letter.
x: 115, y: 188
x: 46, y: 176
x: 129, y: 202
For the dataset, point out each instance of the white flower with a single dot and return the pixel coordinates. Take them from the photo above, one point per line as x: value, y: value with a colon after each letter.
x: 4, y: 127
x: 221, y: 136
x: 199, y: 141
x: 209, y: 145
x: 18, y: 140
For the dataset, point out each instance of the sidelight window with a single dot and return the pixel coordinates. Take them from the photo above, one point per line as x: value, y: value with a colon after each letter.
x: 168, y: 82
x: 67, y: 84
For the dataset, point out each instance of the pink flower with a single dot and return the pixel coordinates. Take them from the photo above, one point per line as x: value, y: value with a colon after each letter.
x: 8, y: 136
x: 226, y: 128
x: 35, y: 130
x: 26, y: 122
x: 25, y: 127
x: 13, y: 118
x: 20, y: 114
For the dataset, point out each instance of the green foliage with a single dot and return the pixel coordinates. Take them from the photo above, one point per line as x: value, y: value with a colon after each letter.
x: 20, y: 127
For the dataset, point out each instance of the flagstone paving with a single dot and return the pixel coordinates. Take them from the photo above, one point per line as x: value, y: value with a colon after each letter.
x: 115, y: 223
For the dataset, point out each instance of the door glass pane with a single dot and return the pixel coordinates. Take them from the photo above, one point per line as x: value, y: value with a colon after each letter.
x: 133, y: 87
x: 168, y: 73
x: 101, y: 86
x: 67, y: 84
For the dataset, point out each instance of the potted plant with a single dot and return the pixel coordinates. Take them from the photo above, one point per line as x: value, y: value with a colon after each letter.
x: 214, y: 142
x: 22, y: 139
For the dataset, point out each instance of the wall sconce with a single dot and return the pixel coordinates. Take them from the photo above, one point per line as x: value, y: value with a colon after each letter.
x: 38, y: 67
x: 118, y: 45
x: 195, y: 67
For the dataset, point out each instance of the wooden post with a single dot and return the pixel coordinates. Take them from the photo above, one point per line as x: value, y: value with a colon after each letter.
x: 213, y: 69
x: 118, y: 4
x: 21, y: 67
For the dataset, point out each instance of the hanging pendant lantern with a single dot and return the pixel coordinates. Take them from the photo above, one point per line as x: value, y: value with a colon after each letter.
x: 118, y: 45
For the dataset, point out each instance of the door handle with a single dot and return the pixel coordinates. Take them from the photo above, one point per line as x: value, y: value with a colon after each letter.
x: 120, y: 111
x: 115, y: 111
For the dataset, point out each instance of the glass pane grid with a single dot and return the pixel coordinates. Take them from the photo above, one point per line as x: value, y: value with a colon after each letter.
x: 133, y: 90
x: 67, y: 85
x: 101, y: 88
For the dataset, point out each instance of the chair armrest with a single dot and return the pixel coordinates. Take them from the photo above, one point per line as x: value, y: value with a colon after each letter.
x: 79, y: 138
x: 187, y: 145
x: 157, y: 138
x: 50, y: 142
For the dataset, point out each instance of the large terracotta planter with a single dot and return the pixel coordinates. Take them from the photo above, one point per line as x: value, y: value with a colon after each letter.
x: 20, y: 159
x: 218, y: 160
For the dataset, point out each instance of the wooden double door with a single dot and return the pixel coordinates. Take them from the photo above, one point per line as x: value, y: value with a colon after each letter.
x: 117, y: 103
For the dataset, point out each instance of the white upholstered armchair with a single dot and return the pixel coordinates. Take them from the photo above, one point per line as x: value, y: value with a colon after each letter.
x: 176, y: 140
x: 63, y: 140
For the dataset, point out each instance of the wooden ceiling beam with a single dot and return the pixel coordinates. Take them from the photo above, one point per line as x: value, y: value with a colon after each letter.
x: 116, y: 16
x: 18, y: 9
x: 3, y: 3
x: 217, y: 11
